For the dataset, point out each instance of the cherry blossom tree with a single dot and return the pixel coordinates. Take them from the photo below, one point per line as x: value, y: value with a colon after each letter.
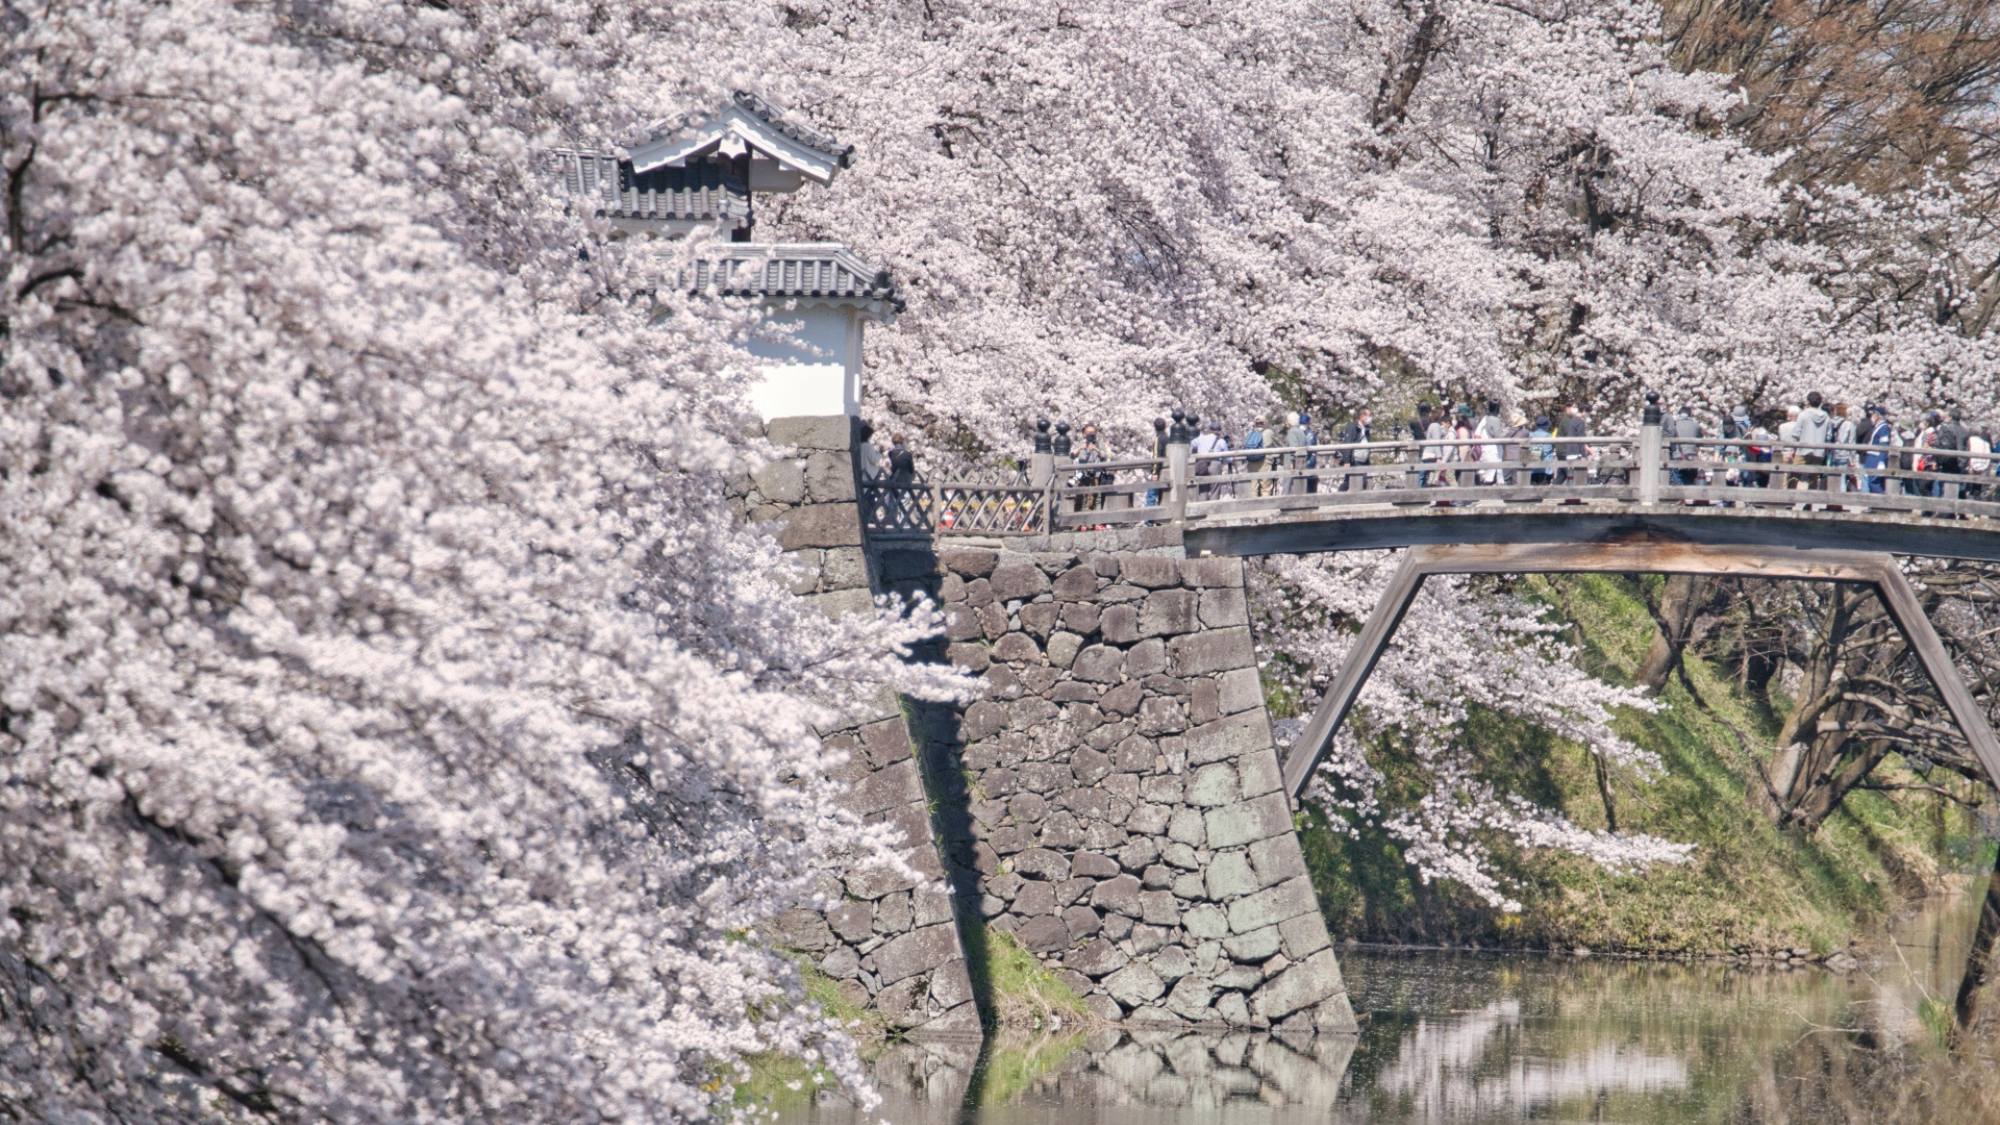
x: 1465, y: 644
x: 396, y: 721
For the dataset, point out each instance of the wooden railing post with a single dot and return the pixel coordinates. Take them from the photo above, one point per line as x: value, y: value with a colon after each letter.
x: 1651, y: 453
x: 1177, y: 468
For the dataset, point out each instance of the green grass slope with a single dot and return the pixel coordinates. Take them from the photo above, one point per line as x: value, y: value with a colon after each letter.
x: 1748, y: 884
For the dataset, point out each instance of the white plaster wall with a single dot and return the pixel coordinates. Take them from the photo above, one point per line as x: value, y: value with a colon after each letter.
x: 816, y: 371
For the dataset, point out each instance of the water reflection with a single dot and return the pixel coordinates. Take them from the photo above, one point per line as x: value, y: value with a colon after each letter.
x: 1471, y: 1038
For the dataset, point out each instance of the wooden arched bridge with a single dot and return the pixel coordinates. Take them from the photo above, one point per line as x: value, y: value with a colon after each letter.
x: 1643, y: 503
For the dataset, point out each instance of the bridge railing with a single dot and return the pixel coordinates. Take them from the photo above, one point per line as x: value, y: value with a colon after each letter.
x: 922, y: 508
x: 1643, y: 469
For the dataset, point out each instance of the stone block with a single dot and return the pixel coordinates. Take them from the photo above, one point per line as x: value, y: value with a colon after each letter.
x: 1188, y: 826
x: 888, y: 787
x: 1095, y: 958
x: 1229, y: 874
x: 918, y: 951
x: 1017, y: 648
x: 1159, y: 907
x: 1136, y: 754
x: 1073, y: 691
x: 1146, y: 938
x: 1213, y: 785
x: 1301, y: 986
x: 1241, y: 690
x: 1148, y: 819
x: 1168, y: 613
x: 1180, y: 855
x: 1089, y: 766
x: 1164, y: 788
x: 902, y: 565
x: 1118, y: 895
x: 1277, y: 859
x: 1133, y: 985
x: 951, y: 985
x: 1119, y: 624
x: 1191, y: 999
x: 1190, y: 887
x: 979, y: 592
x: 1018, y: 580
x: 842, y: 603
x: 931, y: 906
x: 969, y: 655
x: 816, y: 431
x: 983, y: 719
x: 782, y: 481
x: 1071, y: 890
x: 830, y: 477
x: 1061, y: 830
x: 804, y: 930
x: 1082, y: 921
x: 892, y: 914
x: 1120, y: 594
x: 1272, y: 905
x: 1042, y: 863
x: 1081, y: 617
x: 1147, y: 658
x: 1158, y: 716
x: 820, y: 525
x: 1172, y: 963
x: 1212, y: 572
x: 1117, y: 926
x: 1233, y: 1009
x: 1156, y: 877
x: 1038, y: 618
x: 1153, y: 572
x: 1228, y: 738
x: 853, y: 921
x: 841, y: 964
x: 1098, y: 664
x: 1223, y: 608
x: 1075, y: 584
x: 1259, y: 773
x: 1234, y: 825
x: 1063, y: 648
x: 1253, y: 948
x: 1138, y: 854
x: 1043, y: 934
x: 1206, y: 922
x: 1210, y: 651
x: 1304, y: 935
x: 1121, y: 699
x: 969, y: 563
x: 1094, y: 866
x: 1205, y: 701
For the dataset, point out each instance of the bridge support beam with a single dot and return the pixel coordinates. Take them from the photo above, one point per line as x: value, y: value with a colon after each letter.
x: 1639, y: 556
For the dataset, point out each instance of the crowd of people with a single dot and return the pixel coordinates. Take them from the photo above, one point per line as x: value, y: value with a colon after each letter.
x: 1819, y: 444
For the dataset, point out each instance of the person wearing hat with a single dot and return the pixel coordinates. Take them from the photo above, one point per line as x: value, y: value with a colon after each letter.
x: 1882, y: 433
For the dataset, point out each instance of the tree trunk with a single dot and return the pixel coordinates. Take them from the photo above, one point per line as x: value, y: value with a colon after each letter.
x: 1823, y: 794
x: 1979, y: 959
x: 1680, y: 598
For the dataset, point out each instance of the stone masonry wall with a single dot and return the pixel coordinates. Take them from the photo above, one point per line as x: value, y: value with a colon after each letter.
x: 1122, y: 810
x: 891, y: 943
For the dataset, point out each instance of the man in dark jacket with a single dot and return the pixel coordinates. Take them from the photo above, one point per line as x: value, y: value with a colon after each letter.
x: 1356, y: 432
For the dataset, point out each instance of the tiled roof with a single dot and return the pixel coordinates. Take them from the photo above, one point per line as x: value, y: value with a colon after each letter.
x: 700, y: 192
x: 796, y: 269
x: 771, y: 114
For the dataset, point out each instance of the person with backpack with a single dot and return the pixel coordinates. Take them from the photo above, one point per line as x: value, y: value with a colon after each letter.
x: 1542, y: 452
x: 1951, y: 435
x: 1254, y: 439
x: 1490, y: 431
x: 1815, y: 429
x: 1881, y: 434
x: 1357, y: 432
x: 1682, y: 427
x: 1921, y: 459
x: 1210, y: 440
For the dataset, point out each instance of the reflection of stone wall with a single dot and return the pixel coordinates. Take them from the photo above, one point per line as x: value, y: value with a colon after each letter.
x: 1122, y: 797
x: 891, y: 942
x: 1135, y: 1067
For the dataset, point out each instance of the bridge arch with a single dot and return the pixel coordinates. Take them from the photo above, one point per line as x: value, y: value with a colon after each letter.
x: 1639, y: 554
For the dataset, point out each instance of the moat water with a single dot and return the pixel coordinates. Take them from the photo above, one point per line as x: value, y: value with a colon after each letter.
x: 1471, y: 1037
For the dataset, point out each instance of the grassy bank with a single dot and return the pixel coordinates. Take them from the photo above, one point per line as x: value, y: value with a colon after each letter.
x: 1748, y: 884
